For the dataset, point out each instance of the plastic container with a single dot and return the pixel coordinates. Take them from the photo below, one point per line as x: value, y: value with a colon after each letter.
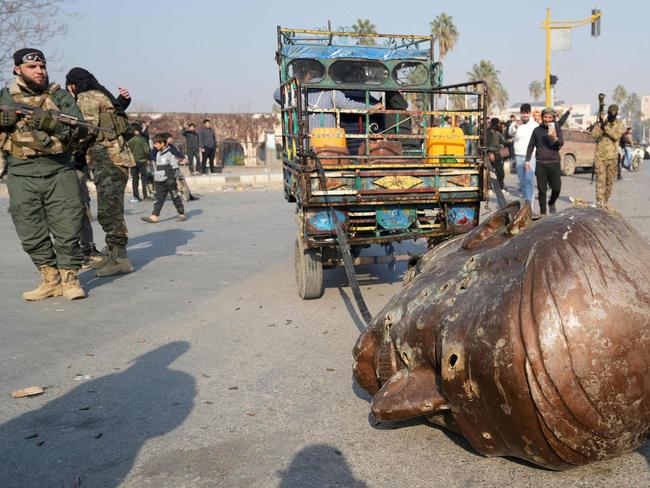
x: 328, y: 137
x: 444, y: 141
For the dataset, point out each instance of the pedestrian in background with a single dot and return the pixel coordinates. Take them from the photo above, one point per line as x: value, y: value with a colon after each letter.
x: 520, y: 133
x: 192, y: 148
x: 165, y: 179
x: 509, y: 143
x: 208, y: 146
x: 495, y: 142
x: 140, y: 149
x: 546, y: 142
x: 627, y: 143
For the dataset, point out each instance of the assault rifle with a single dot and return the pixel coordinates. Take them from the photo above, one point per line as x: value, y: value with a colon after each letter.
x: 601, y: 111
x: 27, y: 110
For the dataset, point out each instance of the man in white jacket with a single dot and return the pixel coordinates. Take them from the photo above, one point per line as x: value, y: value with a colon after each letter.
x: 521, y: 131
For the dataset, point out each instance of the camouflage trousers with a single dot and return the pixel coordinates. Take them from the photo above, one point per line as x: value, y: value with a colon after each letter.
x: 110, y: 181
x: 605, y: 170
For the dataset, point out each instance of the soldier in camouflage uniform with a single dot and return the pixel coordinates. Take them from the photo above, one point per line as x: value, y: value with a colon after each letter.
x: 607, y: 133
x: 44, y: 196
x: 110, y: 158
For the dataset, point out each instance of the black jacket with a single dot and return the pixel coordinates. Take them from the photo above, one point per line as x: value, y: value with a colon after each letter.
x: 191, y: 140
x: 547, y: 150
x: 207, y: 137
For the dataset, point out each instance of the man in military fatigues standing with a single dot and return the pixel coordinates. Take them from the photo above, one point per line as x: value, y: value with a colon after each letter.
x: 607, y: 132
x: 44, y: 195
x: 110, y: 158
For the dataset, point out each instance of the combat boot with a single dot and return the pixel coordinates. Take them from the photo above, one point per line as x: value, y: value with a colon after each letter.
x: 70, y: 283
x: 50, y: 285
x: 91, y: 256
x: 100, y: 260
x: 117, y: 262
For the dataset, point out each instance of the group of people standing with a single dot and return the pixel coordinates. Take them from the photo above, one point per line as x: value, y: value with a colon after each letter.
x: 200, y: 148
x: 535, y: 148
x: 49, y: 149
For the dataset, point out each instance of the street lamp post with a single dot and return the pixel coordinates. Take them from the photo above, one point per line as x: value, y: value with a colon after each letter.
x: 548, y: 26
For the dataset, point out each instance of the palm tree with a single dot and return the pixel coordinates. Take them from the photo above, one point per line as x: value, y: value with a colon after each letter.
x: 632, y: 109
x: 485, y: 70
x: 364, y: 26
x: 632, y: 104
x: 445, y: 32
x: 536, y: 89
x: 501, y: 97
x: 620, y: 95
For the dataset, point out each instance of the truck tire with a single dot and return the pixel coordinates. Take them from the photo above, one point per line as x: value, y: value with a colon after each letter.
x: 568, y: 165
x: 309, y: 271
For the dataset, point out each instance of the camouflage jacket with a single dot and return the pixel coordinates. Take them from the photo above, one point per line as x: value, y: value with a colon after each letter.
x: 607, y: 139
x: 92, y: 103
x: 30, y: 161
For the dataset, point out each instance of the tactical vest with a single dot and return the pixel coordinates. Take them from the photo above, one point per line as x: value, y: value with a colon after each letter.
x: 114, y: 124
x: 25, y: 142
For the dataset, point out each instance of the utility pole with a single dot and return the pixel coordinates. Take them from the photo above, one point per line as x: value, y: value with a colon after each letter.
x: 548, y: 26
x: 547, y: 72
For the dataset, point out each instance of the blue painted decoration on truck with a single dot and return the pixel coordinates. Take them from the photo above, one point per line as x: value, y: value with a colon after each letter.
x: 396, y: 218
x: 322, y: 221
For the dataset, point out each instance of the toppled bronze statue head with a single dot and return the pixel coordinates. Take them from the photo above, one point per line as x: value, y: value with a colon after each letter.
x: 529, y: 339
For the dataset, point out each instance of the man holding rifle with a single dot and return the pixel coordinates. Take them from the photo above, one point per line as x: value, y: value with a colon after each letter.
x: 45, y: 200
x: 607, y: 132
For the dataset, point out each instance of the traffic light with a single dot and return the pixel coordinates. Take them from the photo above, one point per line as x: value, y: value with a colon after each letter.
x: 553, y: 80
x: 595, y: 25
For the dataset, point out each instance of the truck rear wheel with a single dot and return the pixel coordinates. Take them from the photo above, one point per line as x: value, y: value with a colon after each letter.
x: 309, y: 271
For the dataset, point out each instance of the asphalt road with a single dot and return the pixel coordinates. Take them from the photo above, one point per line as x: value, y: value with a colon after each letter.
x: 203, y: 368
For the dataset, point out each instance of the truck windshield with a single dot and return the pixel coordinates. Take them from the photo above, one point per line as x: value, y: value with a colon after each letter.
x: 358, y: 72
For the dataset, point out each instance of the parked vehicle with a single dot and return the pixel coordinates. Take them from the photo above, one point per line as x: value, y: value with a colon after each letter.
x: 578, y: 150
x: 380, y: 175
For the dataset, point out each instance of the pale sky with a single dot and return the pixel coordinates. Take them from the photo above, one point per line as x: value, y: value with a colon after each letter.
x: 217, y: 56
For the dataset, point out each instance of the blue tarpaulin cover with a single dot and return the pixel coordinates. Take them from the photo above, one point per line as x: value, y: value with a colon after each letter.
x: 361, y: 52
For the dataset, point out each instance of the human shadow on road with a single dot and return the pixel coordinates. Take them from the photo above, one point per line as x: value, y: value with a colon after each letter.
x: 91, y: 436
x: 143, y: 250
x: 319, y: 465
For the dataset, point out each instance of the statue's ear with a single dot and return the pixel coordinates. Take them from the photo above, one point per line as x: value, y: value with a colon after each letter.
x: 408, y: 394
x: 522, y: 219
x: 504, y: 222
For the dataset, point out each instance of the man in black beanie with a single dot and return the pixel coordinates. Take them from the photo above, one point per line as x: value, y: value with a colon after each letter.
x: 45, y: 200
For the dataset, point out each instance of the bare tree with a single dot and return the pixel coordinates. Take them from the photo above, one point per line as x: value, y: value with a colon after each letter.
x: 28, y: 23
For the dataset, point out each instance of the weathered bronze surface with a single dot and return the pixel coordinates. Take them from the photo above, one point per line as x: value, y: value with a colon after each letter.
x: 530, y: 339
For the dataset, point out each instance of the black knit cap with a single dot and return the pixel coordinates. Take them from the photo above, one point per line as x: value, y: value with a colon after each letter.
x: 21, y: 53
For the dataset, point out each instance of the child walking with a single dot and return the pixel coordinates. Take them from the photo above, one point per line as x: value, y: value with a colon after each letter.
x: 165, y: 180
